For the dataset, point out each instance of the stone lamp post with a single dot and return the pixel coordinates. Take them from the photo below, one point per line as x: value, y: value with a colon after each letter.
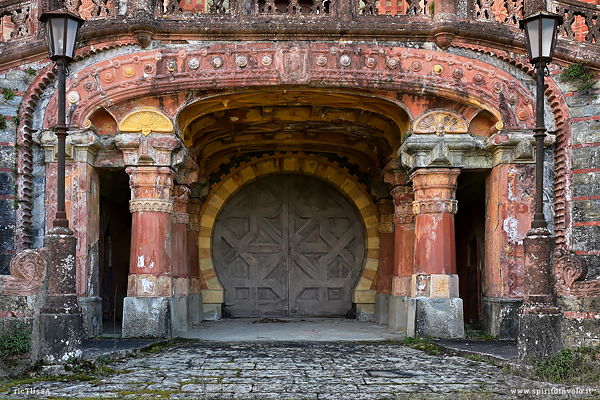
x: 539, y: 319
x: 61, y: 322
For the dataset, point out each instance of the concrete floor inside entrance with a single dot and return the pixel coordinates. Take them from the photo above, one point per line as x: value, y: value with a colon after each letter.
x: 290, y: 329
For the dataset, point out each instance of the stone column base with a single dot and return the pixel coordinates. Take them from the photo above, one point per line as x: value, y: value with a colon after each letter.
x: 500, y: 317
x: 382, y: 308
x: 91, y: 309
x: 398, y: 313
x: 539, y: 335
x: 148, y: 317
x: 60, y: 337
x: 435, y: 317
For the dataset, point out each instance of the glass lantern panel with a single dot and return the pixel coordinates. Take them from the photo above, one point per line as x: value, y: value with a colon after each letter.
x: 533, y: 35
x: 547, y: 36
x: 72, y: 27
x: 58, y: 35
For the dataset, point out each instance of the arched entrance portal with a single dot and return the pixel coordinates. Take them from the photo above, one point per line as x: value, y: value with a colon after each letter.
x: 288, y: 245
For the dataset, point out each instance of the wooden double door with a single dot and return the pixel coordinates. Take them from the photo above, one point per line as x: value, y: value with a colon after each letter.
x: 288, y: 245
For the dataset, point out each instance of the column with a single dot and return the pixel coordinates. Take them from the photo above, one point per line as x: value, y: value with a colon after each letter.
x: 435, y: 310
x: 195, y: 284
x: 386, y: 260
x: 147, y: 309
x: 179, y: 258
x: 404, y: 242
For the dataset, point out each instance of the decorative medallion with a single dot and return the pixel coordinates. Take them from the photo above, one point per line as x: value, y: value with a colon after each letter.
x: 87, y: 123
x: 193, y: 63
x: 492, y: 73
x: 146, y: 120
x: 469, y: 66
x: 497, y: 86
x: 511, y: 85
x: 404, y: 55
x: 333, y: 50
x: 450, y: 61
x: 428, y: 57
x: 391, y: 63
x: 345, y: 60
x: 136, y: 59
x: 171, y: 65
x: 241, y: 61
x: 415, y: 66
x: 204, y: 52
x: 116, y: 63
x: 73, y: 97
x: 438, y: 69
x: 129, y: 72
x: 321, y: 61
x: 254, y: 50
x: 228, y: 51
x: 266, y: 60
x: 499, y: 125
x: 478, y: 79
x: 94, y: 71
x: 158, y: 56
x: 181, y: 54
x: 458, y: 73
x: 371, y: 62
x: 440, y: 123
x: 217, y: 62
x: 109, y: 77
x: 89, y: 86
x: 523, y: 114
x: 513, y: 99
x: 382, y: 52
x: 148, y: 68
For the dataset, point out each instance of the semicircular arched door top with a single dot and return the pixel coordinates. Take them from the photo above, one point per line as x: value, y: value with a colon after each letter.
x: 288, y: 245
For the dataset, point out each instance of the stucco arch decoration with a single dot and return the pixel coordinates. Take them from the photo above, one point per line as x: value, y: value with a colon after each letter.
x: 146, y: 120
x: 300, y: 163
x: 441, y: 122
x: 397, y: 71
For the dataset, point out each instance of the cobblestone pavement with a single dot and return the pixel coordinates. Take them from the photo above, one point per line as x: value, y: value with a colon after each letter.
x: 294, y: 370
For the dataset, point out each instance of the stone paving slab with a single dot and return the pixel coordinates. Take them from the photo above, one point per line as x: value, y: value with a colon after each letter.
x: 297, y: 371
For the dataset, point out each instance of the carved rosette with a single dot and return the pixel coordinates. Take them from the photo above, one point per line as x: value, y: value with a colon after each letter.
x: 435, y: 206
x: 150, y: 205
x: 180, y: 218
x: 28, y: 270
x: 570, y: 272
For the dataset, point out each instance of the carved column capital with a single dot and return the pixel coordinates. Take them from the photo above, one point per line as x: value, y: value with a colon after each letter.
x: 403, y: 198
x: 155, y: 150
x: 435, y: 190
x: 151, y: 189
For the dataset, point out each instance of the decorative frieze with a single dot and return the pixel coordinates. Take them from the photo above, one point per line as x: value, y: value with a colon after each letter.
x: 435, y: 206
x: 193, y: 226
x: 180, y: 218
x: 150, y: 205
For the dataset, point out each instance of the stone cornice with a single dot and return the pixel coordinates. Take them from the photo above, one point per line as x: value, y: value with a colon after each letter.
x: 80, y: 145
x: 448, y: 151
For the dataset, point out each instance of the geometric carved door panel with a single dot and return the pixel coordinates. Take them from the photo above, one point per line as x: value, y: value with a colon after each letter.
x: 288, y: 245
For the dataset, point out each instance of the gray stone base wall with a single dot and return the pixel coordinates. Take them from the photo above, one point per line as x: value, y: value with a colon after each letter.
x: 181, y: 313
x: 196, y: 309
x: 500, y: 317
x: 91, y: 309
x: 539, y: 336
x: 435, y: 317
x: 581, y: 321
x: 398, y: 313
x: 382, y: 308
x: 148, y: 317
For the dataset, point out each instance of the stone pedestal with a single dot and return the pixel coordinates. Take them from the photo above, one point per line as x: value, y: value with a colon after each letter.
x: 91, y: 310
x: 500, y: 317
x: 435, y: 309
x: 539, y: 320
x: 60, y: 321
